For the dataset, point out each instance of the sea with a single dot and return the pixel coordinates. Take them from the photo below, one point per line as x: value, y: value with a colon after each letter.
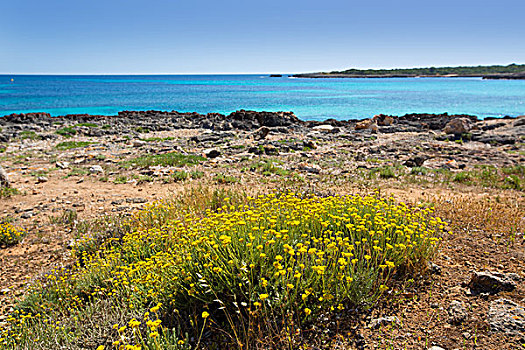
x: 309, y: 99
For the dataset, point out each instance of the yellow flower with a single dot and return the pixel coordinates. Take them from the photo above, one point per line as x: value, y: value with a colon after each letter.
x: 307, y: 311
x: 205, y: 314
x: 263, y: 296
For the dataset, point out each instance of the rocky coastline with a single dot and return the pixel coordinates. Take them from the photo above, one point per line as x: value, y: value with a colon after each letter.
x: 59, y: 175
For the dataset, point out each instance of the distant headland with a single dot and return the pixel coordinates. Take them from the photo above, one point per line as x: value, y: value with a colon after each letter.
x: 511, y: 71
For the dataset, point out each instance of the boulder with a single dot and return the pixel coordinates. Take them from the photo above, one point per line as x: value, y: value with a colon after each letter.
x: 324, y: 127
x: 457, y: 126
x: 383, y: 321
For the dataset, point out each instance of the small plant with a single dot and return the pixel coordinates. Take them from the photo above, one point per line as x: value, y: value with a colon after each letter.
x: 89, y: 125
x: 179, y: 176
x: 196, y: 174
x: 6, y: 192
x: 10, y: 235
x: 462, y: 177
x: 225, y: 179
x: 121, y: 179
x: 78, y: 172
x: 142, y: 130
x: 66, y: 132
x: 72, y: 144
x: 31, y: 135
x: 387, y: 172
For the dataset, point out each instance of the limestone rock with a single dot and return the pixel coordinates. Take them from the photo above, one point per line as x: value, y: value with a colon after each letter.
x: 96, y: 169
x: 506, y: 316
x: 457, y: 312
x: 491, y: 282
x: 457, y: 126
x: 383, y: 321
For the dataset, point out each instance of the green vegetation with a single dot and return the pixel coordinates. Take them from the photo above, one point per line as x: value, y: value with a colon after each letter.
x: 227, y: 272
x: 165, y: 159
x: 72, y: 144
x: 10, y: 235
x: 437, y: 71
x: 269, y: 167
x: 225, y: 179
x: 66, y: 132
x: 31, y: 135
x: 6, y: 192
x: 90, y: 125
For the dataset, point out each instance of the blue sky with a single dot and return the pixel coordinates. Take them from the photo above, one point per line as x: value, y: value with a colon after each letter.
x: 230, y: 36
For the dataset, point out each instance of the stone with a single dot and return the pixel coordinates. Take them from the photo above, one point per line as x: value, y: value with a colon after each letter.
x: 415, y: 161
x: 139, y: 143
x: 490, y: 283
x: 4, y: 181
x: 41, y: 179
x: 271, y: 150
x: 435, y: 347
x: 324, y: 127
x: 212, y: 153
x: 506, y: 316
x: 96, y: 169
x: 261, y: 133
x: 383, y: 321
x: 383, y: 120
x: 457, y: 126
x: 364, y: 124
x: 310, y: 168
x: 457, y: 312
x: 62, y: 165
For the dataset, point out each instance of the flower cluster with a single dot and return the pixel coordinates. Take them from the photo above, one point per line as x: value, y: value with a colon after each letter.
x: 9, y: 234
x: 279, y: 255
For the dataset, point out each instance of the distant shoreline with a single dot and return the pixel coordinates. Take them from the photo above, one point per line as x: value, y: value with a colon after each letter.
x: 376, y: 76
x: 511, y: 71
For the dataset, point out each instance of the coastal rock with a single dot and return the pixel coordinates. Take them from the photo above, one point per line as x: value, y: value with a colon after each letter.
x: 383, y: 120
x: 491, y: 282
x: 4, y: 181
x: 364, y: 124
x: 506, y: 316
x: 457, y: 126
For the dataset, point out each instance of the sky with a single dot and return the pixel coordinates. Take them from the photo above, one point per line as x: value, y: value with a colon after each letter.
x: 271, y: 36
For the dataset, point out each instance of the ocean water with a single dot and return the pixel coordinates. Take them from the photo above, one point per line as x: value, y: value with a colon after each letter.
x: 309, y: 99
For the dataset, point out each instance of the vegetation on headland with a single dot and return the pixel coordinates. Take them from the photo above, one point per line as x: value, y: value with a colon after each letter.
x: 234, y: 270
x: 461, y: 71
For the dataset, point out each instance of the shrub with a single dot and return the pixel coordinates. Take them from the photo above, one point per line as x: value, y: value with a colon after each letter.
x: 9, y: 235
x: 246, y: 271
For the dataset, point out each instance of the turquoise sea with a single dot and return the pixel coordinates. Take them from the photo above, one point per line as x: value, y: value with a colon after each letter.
x: 309, y: 99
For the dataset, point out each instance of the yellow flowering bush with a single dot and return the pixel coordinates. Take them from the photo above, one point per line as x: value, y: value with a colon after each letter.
x: 9, y: 234
x: 277, y: 258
